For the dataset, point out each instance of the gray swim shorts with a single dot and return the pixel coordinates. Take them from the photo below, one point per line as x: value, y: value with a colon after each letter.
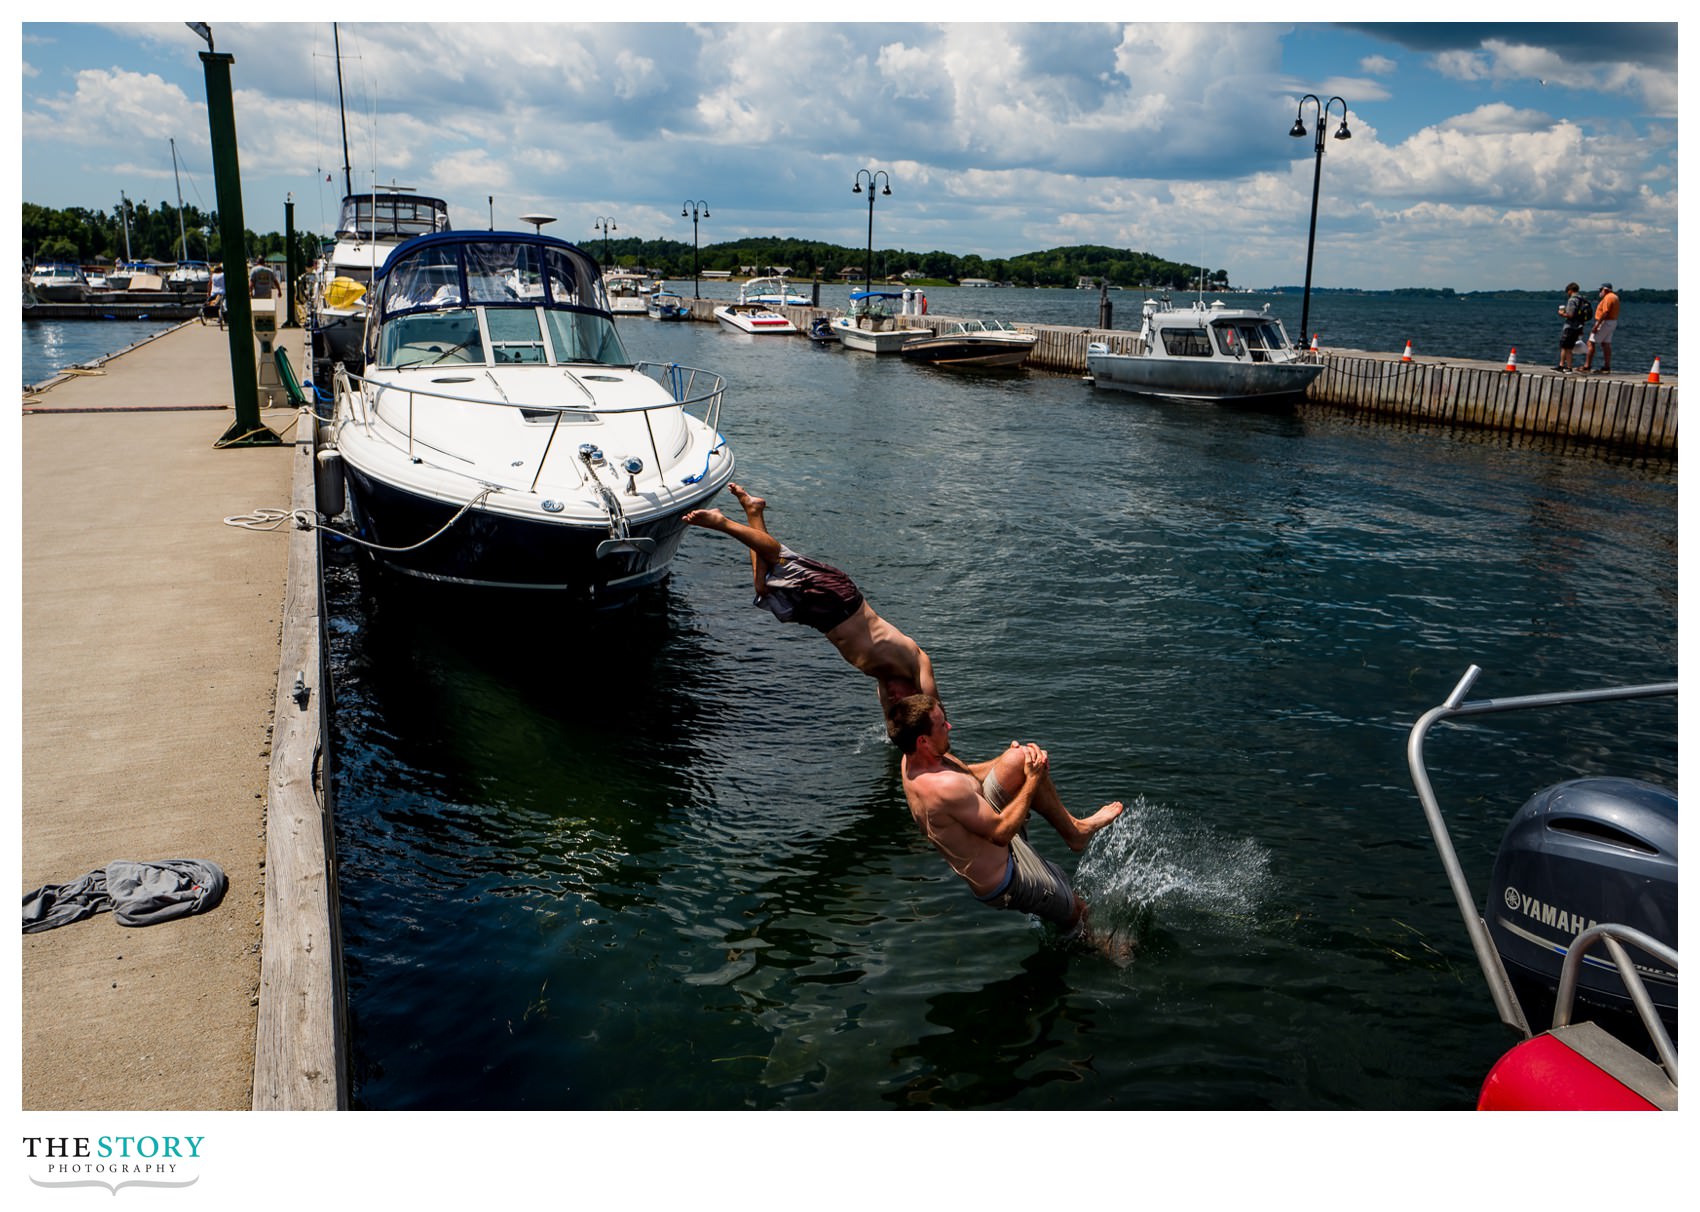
x: 1030, y: 884
x: 1033, y: 885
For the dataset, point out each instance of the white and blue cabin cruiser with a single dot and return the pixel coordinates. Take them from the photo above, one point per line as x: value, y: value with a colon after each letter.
x: 500, y: 437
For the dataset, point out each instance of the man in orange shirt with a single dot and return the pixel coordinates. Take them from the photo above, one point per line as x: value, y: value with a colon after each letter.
x: 1605, y: 323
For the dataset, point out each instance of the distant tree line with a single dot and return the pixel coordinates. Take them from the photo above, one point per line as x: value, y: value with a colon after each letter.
x: 817, y: 259
x: 90, y: 237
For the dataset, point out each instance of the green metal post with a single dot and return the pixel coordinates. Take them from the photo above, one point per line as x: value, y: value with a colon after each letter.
x: 248, y: 430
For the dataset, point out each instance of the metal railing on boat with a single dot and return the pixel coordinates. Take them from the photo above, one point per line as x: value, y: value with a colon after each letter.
x: 687, y: 386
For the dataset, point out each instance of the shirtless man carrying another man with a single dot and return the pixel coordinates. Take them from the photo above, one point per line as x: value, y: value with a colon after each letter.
x: 800, y: 590
x: 975, y: 814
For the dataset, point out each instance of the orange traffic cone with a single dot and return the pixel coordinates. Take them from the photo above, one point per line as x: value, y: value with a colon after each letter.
x: 1511, y: 362
x: 1653, y: 375
x: 1313, y: 337
x: 1407, y: 356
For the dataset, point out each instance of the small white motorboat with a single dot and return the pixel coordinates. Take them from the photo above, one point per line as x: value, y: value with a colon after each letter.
x: 58, y: 282
x: 502, y: 439
x: 665, y: 305
x: 757, y: 319
x: 1210, y: 353
x: 626, y: 292
x: 774, y: 291
x: 872, y: 327
x: 190, y: 277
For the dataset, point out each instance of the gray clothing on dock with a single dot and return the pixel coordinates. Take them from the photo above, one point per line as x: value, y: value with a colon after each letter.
x: 138, y: 894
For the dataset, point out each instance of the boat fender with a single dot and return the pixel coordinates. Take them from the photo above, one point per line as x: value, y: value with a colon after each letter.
x: 329, y: 492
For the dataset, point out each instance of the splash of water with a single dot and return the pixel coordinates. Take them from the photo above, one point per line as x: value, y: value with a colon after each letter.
x: 1150, y: 858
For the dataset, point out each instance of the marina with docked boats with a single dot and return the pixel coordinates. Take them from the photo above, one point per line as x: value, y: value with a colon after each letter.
x: 447, y: 367
x: 524, y: 807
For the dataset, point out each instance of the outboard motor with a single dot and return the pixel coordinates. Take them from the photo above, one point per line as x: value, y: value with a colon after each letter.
x: 1579, y: 854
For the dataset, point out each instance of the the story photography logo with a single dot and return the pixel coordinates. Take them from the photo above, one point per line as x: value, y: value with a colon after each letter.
x: 114, y: 1161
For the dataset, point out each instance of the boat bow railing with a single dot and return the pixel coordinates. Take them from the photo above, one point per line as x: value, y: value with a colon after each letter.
x: 1499, y: 982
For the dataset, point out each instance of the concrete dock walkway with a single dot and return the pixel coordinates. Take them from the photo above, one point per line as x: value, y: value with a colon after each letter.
x: 150, y: 645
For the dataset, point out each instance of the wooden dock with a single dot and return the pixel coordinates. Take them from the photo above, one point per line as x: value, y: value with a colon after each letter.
x: 174, y: 706
x: 1621, y: 412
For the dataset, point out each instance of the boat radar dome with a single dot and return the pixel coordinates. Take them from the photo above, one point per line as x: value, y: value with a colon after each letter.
x: 537, y: 221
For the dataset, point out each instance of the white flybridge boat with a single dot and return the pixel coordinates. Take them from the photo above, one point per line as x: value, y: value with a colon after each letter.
x: 371, y: 226
x: 500, y: 437
x: 1201, y: 352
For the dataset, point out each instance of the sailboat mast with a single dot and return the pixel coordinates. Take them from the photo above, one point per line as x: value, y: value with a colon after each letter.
x: 342, y: 111
x: 124, y: 213
x: 182, y: 234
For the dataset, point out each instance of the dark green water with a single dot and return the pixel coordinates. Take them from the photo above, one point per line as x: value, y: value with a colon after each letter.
x: 661, y: 860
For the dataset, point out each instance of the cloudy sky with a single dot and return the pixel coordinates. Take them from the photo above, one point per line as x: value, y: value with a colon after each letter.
x: 1481, y: 155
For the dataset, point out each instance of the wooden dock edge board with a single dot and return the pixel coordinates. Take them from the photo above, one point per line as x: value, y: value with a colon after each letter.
x: 301, y: 1039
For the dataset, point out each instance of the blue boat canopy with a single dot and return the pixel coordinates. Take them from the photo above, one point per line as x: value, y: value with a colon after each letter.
x: 875, y: 294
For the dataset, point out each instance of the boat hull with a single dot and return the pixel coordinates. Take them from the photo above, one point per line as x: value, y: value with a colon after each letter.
x: 1203, y: 379
x: 967, y: 353
x: 875, y: 341
x: 488, y: 549
x: 756, y: 322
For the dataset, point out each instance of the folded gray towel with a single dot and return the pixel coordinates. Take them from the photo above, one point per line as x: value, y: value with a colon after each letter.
x: 138, y: 894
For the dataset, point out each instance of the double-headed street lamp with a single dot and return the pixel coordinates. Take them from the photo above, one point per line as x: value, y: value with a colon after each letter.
x: 873, y: 178
x: 604, y: 225
x: 694, y: 210
x: 1298, y: 132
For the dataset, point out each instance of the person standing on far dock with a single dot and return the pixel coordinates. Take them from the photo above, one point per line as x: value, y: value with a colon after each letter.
x: 800, y: 590
x: 1605, y: 323
x: 1574, y: 311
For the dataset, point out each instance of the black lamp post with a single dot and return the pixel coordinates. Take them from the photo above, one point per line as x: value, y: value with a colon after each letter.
x: 604, y: 225
x: 693, y: 211
x: 1298, y: 132
x: 873, y: 178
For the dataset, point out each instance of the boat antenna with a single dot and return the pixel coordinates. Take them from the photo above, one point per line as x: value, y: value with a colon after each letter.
x: 182, y: 234
x: 342, y: 112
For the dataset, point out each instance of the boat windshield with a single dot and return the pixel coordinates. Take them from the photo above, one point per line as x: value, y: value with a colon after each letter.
x: 391, y: 216
x: 496, y: 301
x: 1256, y: 337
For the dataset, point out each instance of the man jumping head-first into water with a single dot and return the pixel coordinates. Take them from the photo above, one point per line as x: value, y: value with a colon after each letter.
x: 800, y: 590
x: 975, y: 814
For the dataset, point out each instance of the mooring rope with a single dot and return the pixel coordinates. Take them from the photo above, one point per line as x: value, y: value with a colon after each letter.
x: 308, y: 519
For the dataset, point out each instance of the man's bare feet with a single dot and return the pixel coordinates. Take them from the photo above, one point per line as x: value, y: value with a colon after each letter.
x: 754, y: 507
x: 713, y: 519
x: 1085, y: 827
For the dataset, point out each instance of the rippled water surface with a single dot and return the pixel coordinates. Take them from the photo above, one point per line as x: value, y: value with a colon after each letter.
x: 661, y: 859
